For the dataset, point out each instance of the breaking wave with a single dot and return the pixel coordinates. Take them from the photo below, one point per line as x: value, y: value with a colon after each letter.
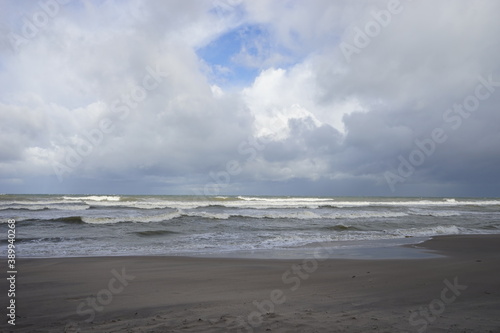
x: 93, y: 198
x: 240, y: 202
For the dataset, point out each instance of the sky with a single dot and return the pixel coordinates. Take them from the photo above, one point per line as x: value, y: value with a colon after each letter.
x: 229, y: 97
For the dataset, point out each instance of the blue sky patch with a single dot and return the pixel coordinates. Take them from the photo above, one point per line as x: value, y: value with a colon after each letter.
x: 237, y: 56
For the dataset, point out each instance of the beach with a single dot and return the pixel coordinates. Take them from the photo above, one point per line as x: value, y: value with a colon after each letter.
x: 457, y: 291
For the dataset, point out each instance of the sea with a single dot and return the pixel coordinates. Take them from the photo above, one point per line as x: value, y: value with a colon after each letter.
x: 237, y: 226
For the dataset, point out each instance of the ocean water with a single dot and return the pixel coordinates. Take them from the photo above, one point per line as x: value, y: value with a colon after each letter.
x: 91, y: 225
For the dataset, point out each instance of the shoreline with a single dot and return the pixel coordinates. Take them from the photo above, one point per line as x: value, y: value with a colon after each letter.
x: 191, y: 294
x: 354, y: 249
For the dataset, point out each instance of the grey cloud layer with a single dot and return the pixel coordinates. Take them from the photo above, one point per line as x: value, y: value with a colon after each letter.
x: 327, y: 125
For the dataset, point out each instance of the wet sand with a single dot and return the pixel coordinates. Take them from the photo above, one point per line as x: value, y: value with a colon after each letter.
x: 458, y: 292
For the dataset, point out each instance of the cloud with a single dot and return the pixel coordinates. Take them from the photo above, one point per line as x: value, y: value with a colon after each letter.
x: 265, y: 84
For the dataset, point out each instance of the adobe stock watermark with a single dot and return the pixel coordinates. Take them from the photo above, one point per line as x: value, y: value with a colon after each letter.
x: 91, y: 139
x: 363, y: 37
x: 224, y: 8
x: 249, y: 149
x: 426, y: 315
x: 222, y: 178
x: 104, y: 297
x: 292, y: 277
x: 452, y: 117
x: 35, y: 23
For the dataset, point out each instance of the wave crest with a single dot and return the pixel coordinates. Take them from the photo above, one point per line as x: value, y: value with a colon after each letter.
x: 93, y: 198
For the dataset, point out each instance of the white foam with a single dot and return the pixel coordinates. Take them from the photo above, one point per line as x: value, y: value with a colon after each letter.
x: 58, y: 207
x: 94, y: 198
x: 419, y: 203
x: 293, y: 215
x: 360, y: 215
x: 291, y: 199
x: 27, y: 203
x: 300, y: 215
x: 429, y: 231
x: 215, y: 216
x: 131, y: 204
x: 155, y: 218
x: 266, y: 203
x: 141, y: 219
x: 309, y: 215
x: 272, y: 203
x: 423, y: 212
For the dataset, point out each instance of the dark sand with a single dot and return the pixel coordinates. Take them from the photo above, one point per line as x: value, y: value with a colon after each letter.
x: 172, y: 294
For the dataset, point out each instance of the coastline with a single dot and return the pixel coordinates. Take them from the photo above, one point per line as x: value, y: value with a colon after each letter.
x: 185, y: 294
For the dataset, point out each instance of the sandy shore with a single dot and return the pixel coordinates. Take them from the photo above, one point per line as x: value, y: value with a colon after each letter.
x: 459, y: 292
